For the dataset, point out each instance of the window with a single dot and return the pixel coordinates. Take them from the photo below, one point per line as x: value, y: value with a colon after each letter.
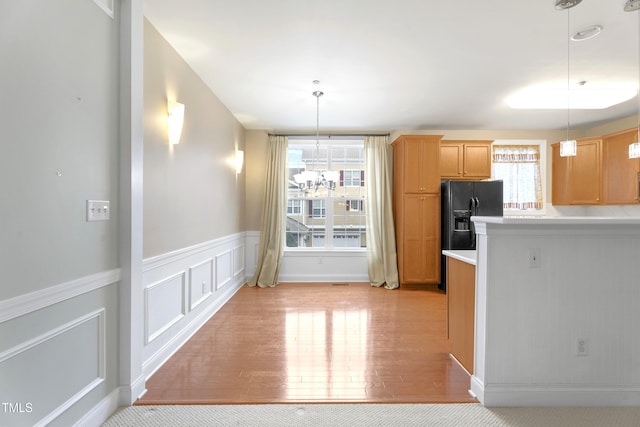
x: 328, y: 212
x: 518, y: 166
x: 354, y: 205
x: 294, y: 207
x: 352, y: 178
x: 318, y: 208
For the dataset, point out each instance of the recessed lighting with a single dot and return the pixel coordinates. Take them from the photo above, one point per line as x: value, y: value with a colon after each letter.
x: 587, y: 33
x: 580, y: 98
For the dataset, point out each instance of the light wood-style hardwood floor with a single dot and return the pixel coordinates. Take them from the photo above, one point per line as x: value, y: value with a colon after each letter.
x: 319, y: 343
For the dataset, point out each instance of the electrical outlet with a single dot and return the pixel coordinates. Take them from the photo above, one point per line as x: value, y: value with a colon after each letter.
x: 534, y: 257
x: 582, y: 347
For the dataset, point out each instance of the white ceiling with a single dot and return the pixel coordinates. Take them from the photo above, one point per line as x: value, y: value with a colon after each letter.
x: 398, y: 64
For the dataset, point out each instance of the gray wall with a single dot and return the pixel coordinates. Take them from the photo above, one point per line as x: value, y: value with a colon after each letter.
x: 59, y: 91
x: 191, y: 191
x: 59, y: 86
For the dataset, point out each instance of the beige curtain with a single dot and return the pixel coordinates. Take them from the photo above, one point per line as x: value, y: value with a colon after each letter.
x: 381, y: 237
x: 274, y: 215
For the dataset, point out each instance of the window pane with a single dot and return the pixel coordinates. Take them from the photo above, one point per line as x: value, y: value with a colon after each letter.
x: 326, y: 190
x: 519, y: 169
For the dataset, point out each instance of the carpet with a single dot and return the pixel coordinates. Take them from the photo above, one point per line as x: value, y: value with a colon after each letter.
x: 360, y: 415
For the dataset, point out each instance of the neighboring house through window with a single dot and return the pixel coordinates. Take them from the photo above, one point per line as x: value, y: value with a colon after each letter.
x: 321, y: 216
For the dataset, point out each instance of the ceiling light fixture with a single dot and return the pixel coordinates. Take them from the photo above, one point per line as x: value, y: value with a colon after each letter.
x: 568, y: 147
x: 314, y: 179
x: 566, y: 4
x: 634, y: 148
x: 632, y: 5
x: 590, y: 96
x: 587, y: 33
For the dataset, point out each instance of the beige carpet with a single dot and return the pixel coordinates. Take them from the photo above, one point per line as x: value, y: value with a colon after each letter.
x: 356, y: 415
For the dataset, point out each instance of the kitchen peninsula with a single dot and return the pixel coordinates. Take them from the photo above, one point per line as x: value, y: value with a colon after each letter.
x: 461, y: 297
x: 557, y: 310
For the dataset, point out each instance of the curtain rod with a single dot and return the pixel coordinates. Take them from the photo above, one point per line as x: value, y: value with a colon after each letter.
x: 329, y: 135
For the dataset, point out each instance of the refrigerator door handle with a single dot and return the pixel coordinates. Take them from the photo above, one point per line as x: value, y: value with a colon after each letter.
x: 477, y: 205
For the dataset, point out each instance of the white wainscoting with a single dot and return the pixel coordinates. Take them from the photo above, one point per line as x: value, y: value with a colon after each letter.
x: 164, y: 305
x: 184, y: 288
x: 313, y: 265
x: 56, y: 348
x: 324, y: 266
x: 200, y: 282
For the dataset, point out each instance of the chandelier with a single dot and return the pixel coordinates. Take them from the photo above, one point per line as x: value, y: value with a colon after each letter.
x: 314, y: 179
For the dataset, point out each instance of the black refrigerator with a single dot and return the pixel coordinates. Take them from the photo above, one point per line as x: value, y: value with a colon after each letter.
x: 460, y: 201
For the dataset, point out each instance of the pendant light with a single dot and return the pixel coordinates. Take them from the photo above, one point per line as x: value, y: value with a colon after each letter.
x: 314, y: 179
x: 634, y: 149
x: 568, y: 147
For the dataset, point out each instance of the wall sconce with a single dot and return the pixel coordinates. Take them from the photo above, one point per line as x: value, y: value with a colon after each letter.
x: 175, y: 122
x: 239, y: 161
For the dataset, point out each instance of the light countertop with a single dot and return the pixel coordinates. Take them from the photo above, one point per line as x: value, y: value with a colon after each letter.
x: 557, y: 220
x: 468, y: 256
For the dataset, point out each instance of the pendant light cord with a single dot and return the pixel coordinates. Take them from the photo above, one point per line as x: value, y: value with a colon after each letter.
x: 317, y: 93
x: 568, y: 68
x: 638, y: 93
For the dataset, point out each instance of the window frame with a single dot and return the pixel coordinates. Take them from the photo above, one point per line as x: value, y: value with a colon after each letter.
x: 334, y: 215
x: 542, y: 145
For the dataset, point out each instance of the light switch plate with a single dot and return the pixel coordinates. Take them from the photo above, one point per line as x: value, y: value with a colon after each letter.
x: 98, y: 210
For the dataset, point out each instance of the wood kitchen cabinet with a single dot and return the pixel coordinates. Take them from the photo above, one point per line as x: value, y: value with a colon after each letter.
x: 465, y: 159
x: 577, y: 180
x: 461, y: 306
x: 419, y: 259
x: 620, y: 173
x: 416, y: 198
x: 600, y: 174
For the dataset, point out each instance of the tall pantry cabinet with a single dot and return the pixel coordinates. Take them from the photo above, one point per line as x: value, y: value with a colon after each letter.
x: 416, y: 194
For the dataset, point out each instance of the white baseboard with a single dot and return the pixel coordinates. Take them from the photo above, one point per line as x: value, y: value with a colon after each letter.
x: 532, y: 395
x: 101, y: 412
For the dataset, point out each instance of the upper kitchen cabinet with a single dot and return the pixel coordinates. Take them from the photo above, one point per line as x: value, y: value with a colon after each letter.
x: 465, y: 159
x: 601, y: 173
x: 418, y: 158
x: 577, y: 180
x: 620, y: 173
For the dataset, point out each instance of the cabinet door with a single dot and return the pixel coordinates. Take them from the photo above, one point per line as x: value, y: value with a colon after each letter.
x: 465, y: 159
x: 411, y: 152
x: 585, y: 173
x: 461, y: 297
x: 450, y: 160
x: 421, y: 165
x: 421, y: 245
x: 620, y: 174
x: 477, y: 160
